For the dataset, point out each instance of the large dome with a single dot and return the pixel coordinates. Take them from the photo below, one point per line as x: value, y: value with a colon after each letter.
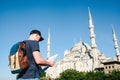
x: 81, y: 46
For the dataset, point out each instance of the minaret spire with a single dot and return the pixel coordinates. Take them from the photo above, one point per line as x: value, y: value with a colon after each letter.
x: 116, y: 44
x: 91, y: 27
x: 90, y: 17
x: 48, y: 45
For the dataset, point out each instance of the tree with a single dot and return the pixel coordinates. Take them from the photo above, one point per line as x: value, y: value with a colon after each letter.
x: 98, y: 75
x: 114, y: 75
x: 70, y: 74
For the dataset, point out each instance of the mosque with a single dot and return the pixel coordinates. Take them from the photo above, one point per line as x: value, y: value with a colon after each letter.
x: 84, y: 57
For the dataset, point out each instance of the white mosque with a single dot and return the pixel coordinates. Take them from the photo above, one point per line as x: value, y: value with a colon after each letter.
x: 84, y: 57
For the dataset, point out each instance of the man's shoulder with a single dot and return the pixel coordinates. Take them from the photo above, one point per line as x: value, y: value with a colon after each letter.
x: 31, y: 41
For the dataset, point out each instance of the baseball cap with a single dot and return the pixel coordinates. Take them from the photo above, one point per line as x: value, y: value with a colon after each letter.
x: 37, y: 32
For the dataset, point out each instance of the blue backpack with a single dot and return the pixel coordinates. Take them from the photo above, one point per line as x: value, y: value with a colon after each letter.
x: 18, y: 59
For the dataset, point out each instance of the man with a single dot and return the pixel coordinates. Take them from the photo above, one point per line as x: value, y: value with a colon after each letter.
x: 34, y: 57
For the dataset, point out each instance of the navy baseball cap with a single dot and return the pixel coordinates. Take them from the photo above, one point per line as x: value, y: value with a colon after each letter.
x: 37, y: 32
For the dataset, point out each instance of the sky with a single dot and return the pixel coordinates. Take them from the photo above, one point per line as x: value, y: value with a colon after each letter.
x: 67, y: 21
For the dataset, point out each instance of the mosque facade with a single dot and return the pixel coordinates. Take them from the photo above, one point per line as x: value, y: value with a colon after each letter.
x: 82, y: 56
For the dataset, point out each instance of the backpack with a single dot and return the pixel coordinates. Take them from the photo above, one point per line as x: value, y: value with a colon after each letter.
x: 18, y: 59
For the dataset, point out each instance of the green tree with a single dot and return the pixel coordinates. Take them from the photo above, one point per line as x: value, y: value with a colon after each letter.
x: 71, y: 74
x: 98, y: 75
x: 114, y: 75
x: 43, y: 75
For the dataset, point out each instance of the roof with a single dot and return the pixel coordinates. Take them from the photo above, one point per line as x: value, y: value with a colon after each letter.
x: 111, y: 62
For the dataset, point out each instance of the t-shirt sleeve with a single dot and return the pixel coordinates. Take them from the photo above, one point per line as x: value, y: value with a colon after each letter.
x: 34, y: 46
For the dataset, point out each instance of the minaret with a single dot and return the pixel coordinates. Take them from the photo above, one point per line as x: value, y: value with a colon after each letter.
x: 116, y: 45
x: 48, y: 45
x: 93, y: 43
x: 48, y: 53
x: 91, y: 27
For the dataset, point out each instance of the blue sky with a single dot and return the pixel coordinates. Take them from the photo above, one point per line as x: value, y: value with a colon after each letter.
x: 67, y: 20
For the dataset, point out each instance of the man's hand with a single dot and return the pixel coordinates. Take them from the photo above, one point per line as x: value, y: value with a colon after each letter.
x: 51, y: 63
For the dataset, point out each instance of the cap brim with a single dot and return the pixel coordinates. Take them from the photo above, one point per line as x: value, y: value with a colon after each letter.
x: 41, y: 39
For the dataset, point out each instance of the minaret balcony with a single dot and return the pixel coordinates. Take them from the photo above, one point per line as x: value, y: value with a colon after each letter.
x: 91, y: 26
x: 93, y: 46
x: 92, y: 36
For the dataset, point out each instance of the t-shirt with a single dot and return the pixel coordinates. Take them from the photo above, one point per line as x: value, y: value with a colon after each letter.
x: 33, y: 70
